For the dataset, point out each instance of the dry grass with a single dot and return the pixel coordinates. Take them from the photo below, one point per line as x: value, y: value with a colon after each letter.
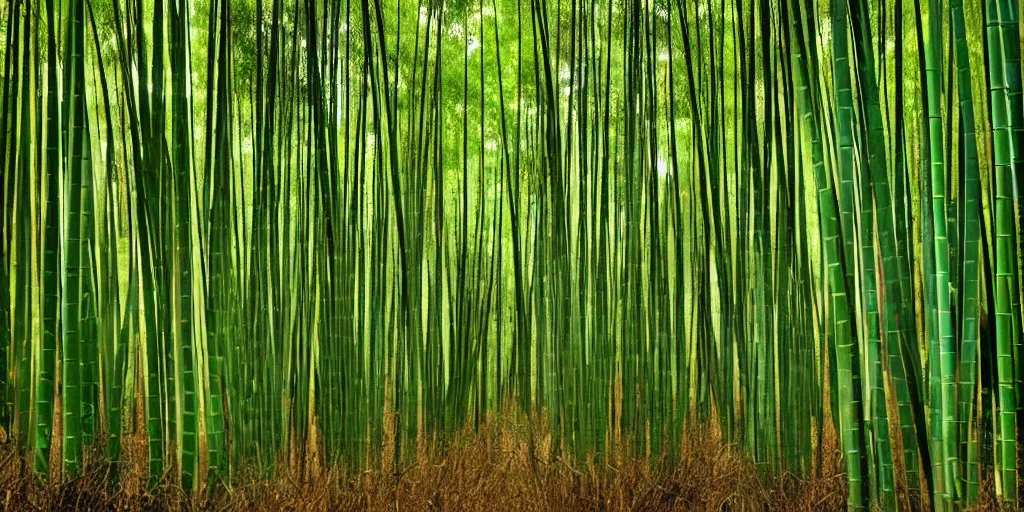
x: 489, y: 470
x: 493, y: 469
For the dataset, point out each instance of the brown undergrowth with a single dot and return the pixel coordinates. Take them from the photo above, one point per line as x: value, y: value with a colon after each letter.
x: 492, y: 469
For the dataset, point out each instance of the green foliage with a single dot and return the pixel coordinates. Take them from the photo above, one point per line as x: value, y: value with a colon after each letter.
x: 361, y: 226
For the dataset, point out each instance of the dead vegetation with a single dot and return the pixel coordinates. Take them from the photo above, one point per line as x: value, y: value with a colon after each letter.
x: 492, y: 469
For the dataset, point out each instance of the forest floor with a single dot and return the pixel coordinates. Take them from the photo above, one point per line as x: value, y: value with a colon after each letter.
x: 486, y: 471
x: 494, y: 468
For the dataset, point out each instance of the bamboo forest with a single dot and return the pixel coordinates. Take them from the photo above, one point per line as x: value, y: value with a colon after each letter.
x: 270, y: 237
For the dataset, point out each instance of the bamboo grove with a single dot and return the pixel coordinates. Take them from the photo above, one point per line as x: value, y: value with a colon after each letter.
x: 354, y: 227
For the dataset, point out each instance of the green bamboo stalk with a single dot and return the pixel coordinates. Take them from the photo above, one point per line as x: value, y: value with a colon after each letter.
x: 1002, y: 279
x: 219, y: 319
x: 971, y: 294
x: 6, y: 209
x: 19, y: 190
x: 74, y: 125
x: 50, y: 261
x: 1009, y: 17
x: 181, y: 159
x: 849, y: 420
x: 946, y: 361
